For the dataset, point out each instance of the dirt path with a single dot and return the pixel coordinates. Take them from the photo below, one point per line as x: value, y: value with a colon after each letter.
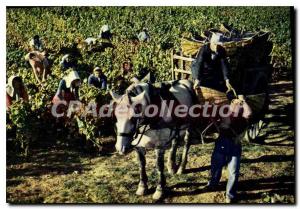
x: 59, y: 175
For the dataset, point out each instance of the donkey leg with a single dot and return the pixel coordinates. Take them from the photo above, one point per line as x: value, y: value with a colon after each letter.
x: 184, y: 156
x: 143, y: 187
x: 171, y: 165
x: 159, y: 192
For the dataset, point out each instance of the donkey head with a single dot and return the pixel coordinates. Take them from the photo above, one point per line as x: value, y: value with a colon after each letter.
x: 128, y: 110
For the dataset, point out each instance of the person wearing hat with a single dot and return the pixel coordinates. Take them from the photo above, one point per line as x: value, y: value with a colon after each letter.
x: 105, y: 32
x: 36, y: 44
x: 67, y: 61
x: 97, y: 79
x: 15, y: 90
x: 68, y: 88
x: 210, y: 68
x: 143, y: 36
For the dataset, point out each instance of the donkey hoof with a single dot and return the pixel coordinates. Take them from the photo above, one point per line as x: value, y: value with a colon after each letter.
x: 158, y: 194
x: 142, y: 190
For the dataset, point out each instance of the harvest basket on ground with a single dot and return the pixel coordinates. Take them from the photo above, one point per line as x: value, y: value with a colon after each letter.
x: 249, y: 57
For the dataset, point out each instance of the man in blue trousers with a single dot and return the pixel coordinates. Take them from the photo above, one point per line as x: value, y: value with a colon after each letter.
x: 228, y: 151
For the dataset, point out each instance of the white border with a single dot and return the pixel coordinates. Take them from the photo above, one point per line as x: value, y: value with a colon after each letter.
x: 110, y: 3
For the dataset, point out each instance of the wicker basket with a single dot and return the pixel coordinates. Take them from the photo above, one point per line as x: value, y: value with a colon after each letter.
x: 211, y: 96
x: 204, y: 94
x: 190, y: 47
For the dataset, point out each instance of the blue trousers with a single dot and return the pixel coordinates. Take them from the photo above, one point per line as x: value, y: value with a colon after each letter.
x: 226, y: 154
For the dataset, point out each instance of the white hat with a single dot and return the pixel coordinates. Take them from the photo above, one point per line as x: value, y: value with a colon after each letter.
x: 10, y: 90
x: 105, y: 28
x: 72, y: 75
x: 97, y: 69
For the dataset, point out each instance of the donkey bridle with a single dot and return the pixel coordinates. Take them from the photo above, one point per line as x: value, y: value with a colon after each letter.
x: 134, y: 134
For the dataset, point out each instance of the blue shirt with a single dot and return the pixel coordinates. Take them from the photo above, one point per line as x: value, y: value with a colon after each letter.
x: 97, y: 82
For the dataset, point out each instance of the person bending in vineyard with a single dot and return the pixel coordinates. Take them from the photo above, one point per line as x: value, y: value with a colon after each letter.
x: 105, y: 32
x: 144, y: 36
x: 68, y: 88
x: 39, y: 64
x: 97, y: 79
x: 15, y: 90
x: 210, y: 68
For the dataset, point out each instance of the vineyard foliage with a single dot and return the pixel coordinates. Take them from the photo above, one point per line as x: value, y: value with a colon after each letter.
x: 60, y: 27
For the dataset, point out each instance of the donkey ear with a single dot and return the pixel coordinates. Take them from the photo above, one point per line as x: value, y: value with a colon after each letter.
x: 139, y: 99
x: 115, y: 96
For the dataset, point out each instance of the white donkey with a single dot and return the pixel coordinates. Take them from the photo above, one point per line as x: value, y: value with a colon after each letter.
x: 157, y: 131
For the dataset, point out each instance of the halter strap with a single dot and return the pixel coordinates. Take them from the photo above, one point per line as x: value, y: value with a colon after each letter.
x: 125, y: 134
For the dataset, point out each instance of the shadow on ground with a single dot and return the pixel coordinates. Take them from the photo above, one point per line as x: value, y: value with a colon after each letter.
x: 283, y: 185
x: 54, y: 160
